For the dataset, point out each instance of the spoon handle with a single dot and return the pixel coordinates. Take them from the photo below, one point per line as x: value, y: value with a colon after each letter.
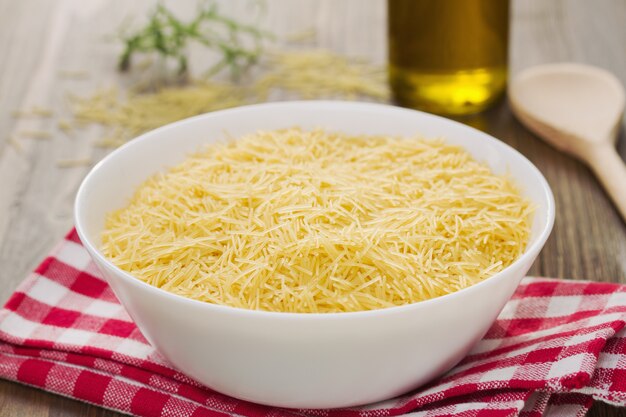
x: 611, y: 171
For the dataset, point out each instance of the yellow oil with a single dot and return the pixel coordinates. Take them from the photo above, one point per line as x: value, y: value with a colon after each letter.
x: 448, y: 56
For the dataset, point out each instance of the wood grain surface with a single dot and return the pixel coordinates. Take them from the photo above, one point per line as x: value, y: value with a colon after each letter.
x: 40, y: 38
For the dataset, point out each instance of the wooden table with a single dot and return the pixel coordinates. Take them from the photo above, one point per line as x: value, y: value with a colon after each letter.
x: 40, y: 38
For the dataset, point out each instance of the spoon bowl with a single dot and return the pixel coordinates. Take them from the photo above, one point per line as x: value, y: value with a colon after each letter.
x: 578, y: 109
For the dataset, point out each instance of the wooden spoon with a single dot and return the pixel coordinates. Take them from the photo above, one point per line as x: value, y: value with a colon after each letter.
x: 578, y: 109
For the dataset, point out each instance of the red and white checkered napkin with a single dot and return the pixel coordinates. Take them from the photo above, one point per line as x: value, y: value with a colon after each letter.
x: 556, y: 347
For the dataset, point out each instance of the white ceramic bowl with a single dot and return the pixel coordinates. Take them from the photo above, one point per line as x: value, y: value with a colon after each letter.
x: 306, y: 360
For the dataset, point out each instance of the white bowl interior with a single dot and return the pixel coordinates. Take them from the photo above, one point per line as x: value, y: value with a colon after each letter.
x: 112, y: 182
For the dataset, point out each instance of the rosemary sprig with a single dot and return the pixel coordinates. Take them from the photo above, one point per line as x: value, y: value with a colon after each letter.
x: 240, y: 44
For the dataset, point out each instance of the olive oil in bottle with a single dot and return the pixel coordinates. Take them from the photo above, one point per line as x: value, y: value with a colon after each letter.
x: 448, y: 56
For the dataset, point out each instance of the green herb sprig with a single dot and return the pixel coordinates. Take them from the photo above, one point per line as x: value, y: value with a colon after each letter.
x: 166, y: 35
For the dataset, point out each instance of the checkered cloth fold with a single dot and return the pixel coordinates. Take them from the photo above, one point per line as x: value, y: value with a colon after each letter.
x: 556, y: 347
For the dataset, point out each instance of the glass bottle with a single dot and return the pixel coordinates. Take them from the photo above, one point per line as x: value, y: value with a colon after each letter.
x: 448, y: 56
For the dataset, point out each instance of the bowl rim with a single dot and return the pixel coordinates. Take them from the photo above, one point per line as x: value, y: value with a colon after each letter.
x: 530, y: 251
